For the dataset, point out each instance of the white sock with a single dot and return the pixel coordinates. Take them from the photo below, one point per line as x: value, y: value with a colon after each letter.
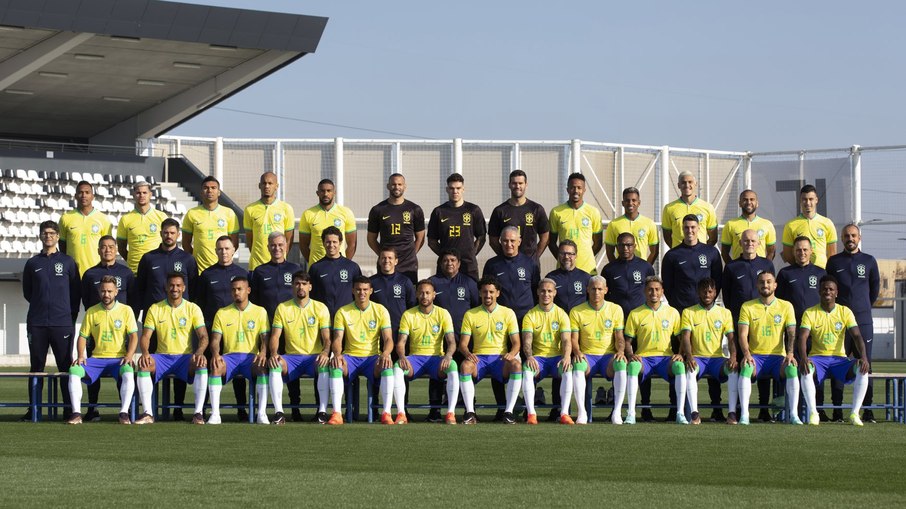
x: 336, y: 393
x: 528, y: 390
x: 200, y: 388
x: 399, y: 390
x: 679, y: 387
x: 323, y: 391
x: 733, y: 390
x: 692, y: 391
x: 792, y: 395
x: 580, y: 383
x: 145, y: 388
x: 567, y: 386
x: 745, y: 393
x: 513, y: 386
x: 276, y: 383
x: 860, y: 388
x: 214, y: 388
x: 387, y: 389
x: 467, y: 386
x: 127, y: 389
x: 75, y: 393
x: 261, y: 395
x: 808, y: 391
x: 452, y: 391
x: 619, y: 391
x: 632, y: 381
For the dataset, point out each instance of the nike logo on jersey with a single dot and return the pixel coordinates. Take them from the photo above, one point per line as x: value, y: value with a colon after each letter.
x: 586, y: 324
x: 501, y: 273
x: 868, y: 340
x: 66, y: 336
x: 740, y: 277
x: 161, y: 321
x: 229, y: 324
x: 438, y: 293
x: 290, y: 321
x: 444, y: 220
x: 97, y: 283
x: 214, y: 282
x: 73, y: 227
x: 616, y: 277
x: 385, y: 217
x: 323, y: 275
x: 267, y: 279
x: 840, y: 270
x: 793, y: 280
x: 682, y: 262
x: 696, y: 324
x: 155, y: 267
x: 376, y: 291
x: 39, y: 270
x: 507, y: 220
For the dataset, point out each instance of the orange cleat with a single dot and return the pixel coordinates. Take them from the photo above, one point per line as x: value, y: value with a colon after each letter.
x: 531, y: 419
x: 336, y: 419
x: 401, y: 418
x: 386, y: 418
x: 566, y: 419
x: 450, y: 418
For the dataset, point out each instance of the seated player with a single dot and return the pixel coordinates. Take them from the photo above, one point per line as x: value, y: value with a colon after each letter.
x: 599, y: 346
x: 112, y: 326
x: 173, y: 319
x: 489, y: 326
x: 242, y: 328
x: 653, y: 325
x: 547, y: 344
x: 303, y: 322
x: 359, y: 328
x: 767, y: 329
x: 431, y: 350
x: 827, y: 323
x: 702, y: 329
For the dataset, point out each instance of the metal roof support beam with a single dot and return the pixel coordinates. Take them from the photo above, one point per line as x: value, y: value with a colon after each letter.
x: 21, y: 65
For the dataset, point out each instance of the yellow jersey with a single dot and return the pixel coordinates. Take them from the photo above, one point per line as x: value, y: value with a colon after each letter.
x: 426, y: 331
x: 489, y: 329
x: 262, y: 220
x: 109, y: 328
x: 578, y: 225
x: 81, y: 233
x: 315, y: 220
x: 819, y: 229
x: 174, y: 325
x: 206, y: 226
x: 596, y: 327
x: 642, y: 228
x: 828, y: 329
x: 546, y: 328
x: 708, y: 328
x: 733, y: 231
x: 652, y: 329
x: 141, y: 233
x: 675, y: 211
x: 302, y: 326
x: 362, y: 336
x: 240, y: 329
x: 767, y: 324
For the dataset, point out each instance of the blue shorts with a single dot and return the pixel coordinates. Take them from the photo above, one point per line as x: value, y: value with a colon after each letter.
x: 767, y: 366
x: 425, y: 365
x: 839, y: 368
x: 547, y: 366
x: 712, y: 367
x: 597, y: 365
x: 659, y: 364
x: 96, y: 368
x: 489, y: 365
x: 298, y: 366
x: 360, y: 366
x: 240, y: 363
x: 172, y: 364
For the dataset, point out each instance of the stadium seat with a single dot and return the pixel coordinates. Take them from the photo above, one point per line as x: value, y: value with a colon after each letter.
x: 33, y: 176
x: 75, y: 177
x: 103, y: 191
x: 97, y: 178
x: 18, y: 202
x: 21, y: 175
x: 9, y: 174
x: 8, y: 215
x: 21, y: 216
x: 13, y: 230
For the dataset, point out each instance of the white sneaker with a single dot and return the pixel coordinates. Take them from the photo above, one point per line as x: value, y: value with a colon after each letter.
x: 616, y: 419
x: 262, y: 419
x: 582, y: 419
x: 214, y: 419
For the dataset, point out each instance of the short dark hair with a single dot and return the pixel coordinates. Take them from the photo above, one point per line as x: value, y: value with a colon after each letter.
x: 210, y: 178
x: 425, y: 282
x: 397, y: 174
x: 706, y: 283
x: 326, y: 181
x: 331, y: 230
x: 518, y: 173
x: 302, y: 275
x: 168, y: 222
x: 106, y: 237
x: 489, y: 280
x: 361, y: 280
x: 223, y: 237
x: 49, y: 224
x: 631, y: 190
x: 575, y: 176
x: 450, y: 251
x: 808, y: 188
x: 84, y: 183
x: 568, y: 242
x: 388, y: 249
x: 827, y: 278
x: 240, y: 278
x: 108, y: 279
x: 690, y: 217
x: 802, y: 238
x: 455, y: 177
x: 174, y: 275
x: 624, y: 235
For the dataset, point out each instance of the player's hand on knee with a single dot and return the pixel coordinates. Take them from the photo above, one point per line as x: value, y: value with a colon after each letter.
x: 144, y: 362
x: 619, y: 356
x: 864, y: 366
x: 404, y: 363
x: 532, y: 364
x: 691, y: 365
x: 323, y: 359
x: 566, y: 364
x: 732, y: 365
x: 216, y: 362
x: 274, y: 361
x: 472, y: 358
x: 384, y: 362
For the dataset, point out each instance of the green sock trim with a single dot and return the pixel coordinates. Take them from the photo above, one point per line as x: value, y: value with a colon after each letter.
x: 726, y: 370
x: 619, y: 365
x: 792, y: 371
x: 580, y: 366
x: 201, y: 371
x: 678, y: 368
x: 144, y: 374
x: 634, y: 368
x: 125, y: 368
x: 78, y: 371
x: 336, y: 373
x: 261, y: 380
x: 386, y: 372
x: 747, y: 370
x: 325, y: 369
x: 516, y: 376
x: 276, y: 370
x: 215, y: 380
x: 465, y: 378
x: 452, y: 368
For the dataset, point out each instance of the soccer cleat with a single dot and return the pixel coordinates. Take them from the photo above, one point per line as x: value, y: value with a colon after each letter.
x: 509, y: 418
x: 681, y: 419
x: 615, y: 418
x: 671, y: 415
x: 744, y: 421
x: 470, y: 418
x: 401, y: 419
x: 198, y: 418
x: 75, y: 418
x: 177, y: 415
x: 566, y: 419
x: 26, y: 417
x: 869, y: 416
x: 854, y: 419
x: 146, y: 418
x: 764, y: 415
x: 554, y: 415
x: 242, y: 415
x: 814, y: 419
x: 540, y: 398
x: 386, y: 418
x: 124, y: 418
x: 696, y: 418
x: 262, y: 419
x: 214, y: 419
x: 582, y: 419
x: 434, y: 416
x: 531, y: 419
x: 92, y: 416
x: 731, y: 418
x: 794, y: 419
x: 498, y: 417
x: 822, y: 415
x: 297, y: 416
x: 321, y: 417
x: 336, y: 419
x: 279, y: 419
x: 450, y: 418
x: 630, y: 419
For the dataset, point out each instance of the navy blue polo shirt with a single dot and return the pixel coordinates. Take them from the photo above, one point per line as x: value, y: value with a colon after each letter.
x: 125, y: 282
x: 457, y: 295
x: 572, y: 286
x: 683, y: 267
x: 518, y: 277
x: 331, y: 280
x: 626, y: 282
x: 50, y: 284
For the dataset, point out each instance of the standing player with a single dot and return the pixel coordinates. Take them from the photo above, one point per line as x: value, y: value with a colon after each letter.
x: 820, y: 230
x: 702, y: 329
x: 598, y: 335
x: 430, y: 352
x: 138, y: 231
x: 547, y: 345
x: 828, y: 324
x: 731, y: 235
x: 489, y: 326
x: 206, y: 223
x: 767, y: 330
x: 675, y: 212
x: 398, y: 223
x: 361, y: 347
x: 50, y: 284
x: 243, y: 328
x: 112, y: 326
x: 265, y: 216
x: 457, y: 224
x: 858, y: 285
x: 82, y: 228
x: 303, y: 322
x: 653, y: 325
x: 642, y: 229
x: 173, y: 319
x: 527, y: 216
x: 626, y: 275
x: 579, y: 222
x: 317, y: 218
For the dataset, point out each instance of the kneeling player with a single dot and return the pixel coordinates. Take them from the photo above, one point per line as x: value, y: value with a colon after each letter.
x: 598, y: 335
x: 653, y: 325
x: 242, y: 326
x: 702, y: 330
x: 302, y: 321
x: 827, y: 323
x: 547, y: 344
x: 490, y: 325
x: 431, y: 329
x: 359, y: 328
x: 173, y: 319
x: 112, y: 325
x: 763, y: 324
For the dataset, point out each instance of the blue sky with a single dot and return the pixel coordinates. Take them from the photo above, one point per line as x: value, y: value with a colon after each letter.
x: 719, y: 75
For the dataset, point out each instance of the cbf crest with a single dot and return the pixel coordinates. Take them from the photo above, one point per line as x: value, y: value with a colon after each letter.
x: 466, y: 219
x: 813, y: 281
x: 311, y: 320
x: 665, y: 323
x: 250, y: 325
x: 435, y: 328
x: 95, y: 228
x: 700, y: 217
x: 555, y: 326
x: 498, y: 326
x: 820, y: 233
x: 703, y: 260
x: 344, y: 275
x: 397, y: 290
x: 718, y: 324
x: 117, y: 324
x: 287, y: 277
x: 152, y: 228
x: 529, y: 219
x: 407, y: 217
x: 278, y: 217
x: 586, y: 222
x: 183, y: 322
x: 177, y: 267
x: 119, y: 282
x: 221, y: 223
x: 521, y: 272
x: 838, y: 326
x: 461, y: 292
x: 372, y: 324
x: 637, y: 276
x: 778, y: 319
x: 338, y: 223
x: 58, y: 268
x: 608, y: 323
x: 642, y: 233
x: 577, y: 286
x: 860, y: 270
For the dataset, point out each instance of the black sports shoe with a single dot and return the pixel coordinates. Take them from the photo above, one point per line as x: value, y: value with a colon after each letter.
x: 822, y: 416
x: 764, y: 415
x: 470, y: 418
x: 242, y: 415
x: 177, y: 415
x: 92, y: 415
x: 600, y: 396
x: 671, y: 415
x: 26, y: 417
x: 498, y: 417
x: 509, y: 418
x: 646, y: 415
x: 297, y: 415
x: 322, y: 417
x: 869, y: 416
x: 279, y: 419
x: 434, y: 416
x: 717, y: 415
x: 554, y: 415
x: 837, y: 415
